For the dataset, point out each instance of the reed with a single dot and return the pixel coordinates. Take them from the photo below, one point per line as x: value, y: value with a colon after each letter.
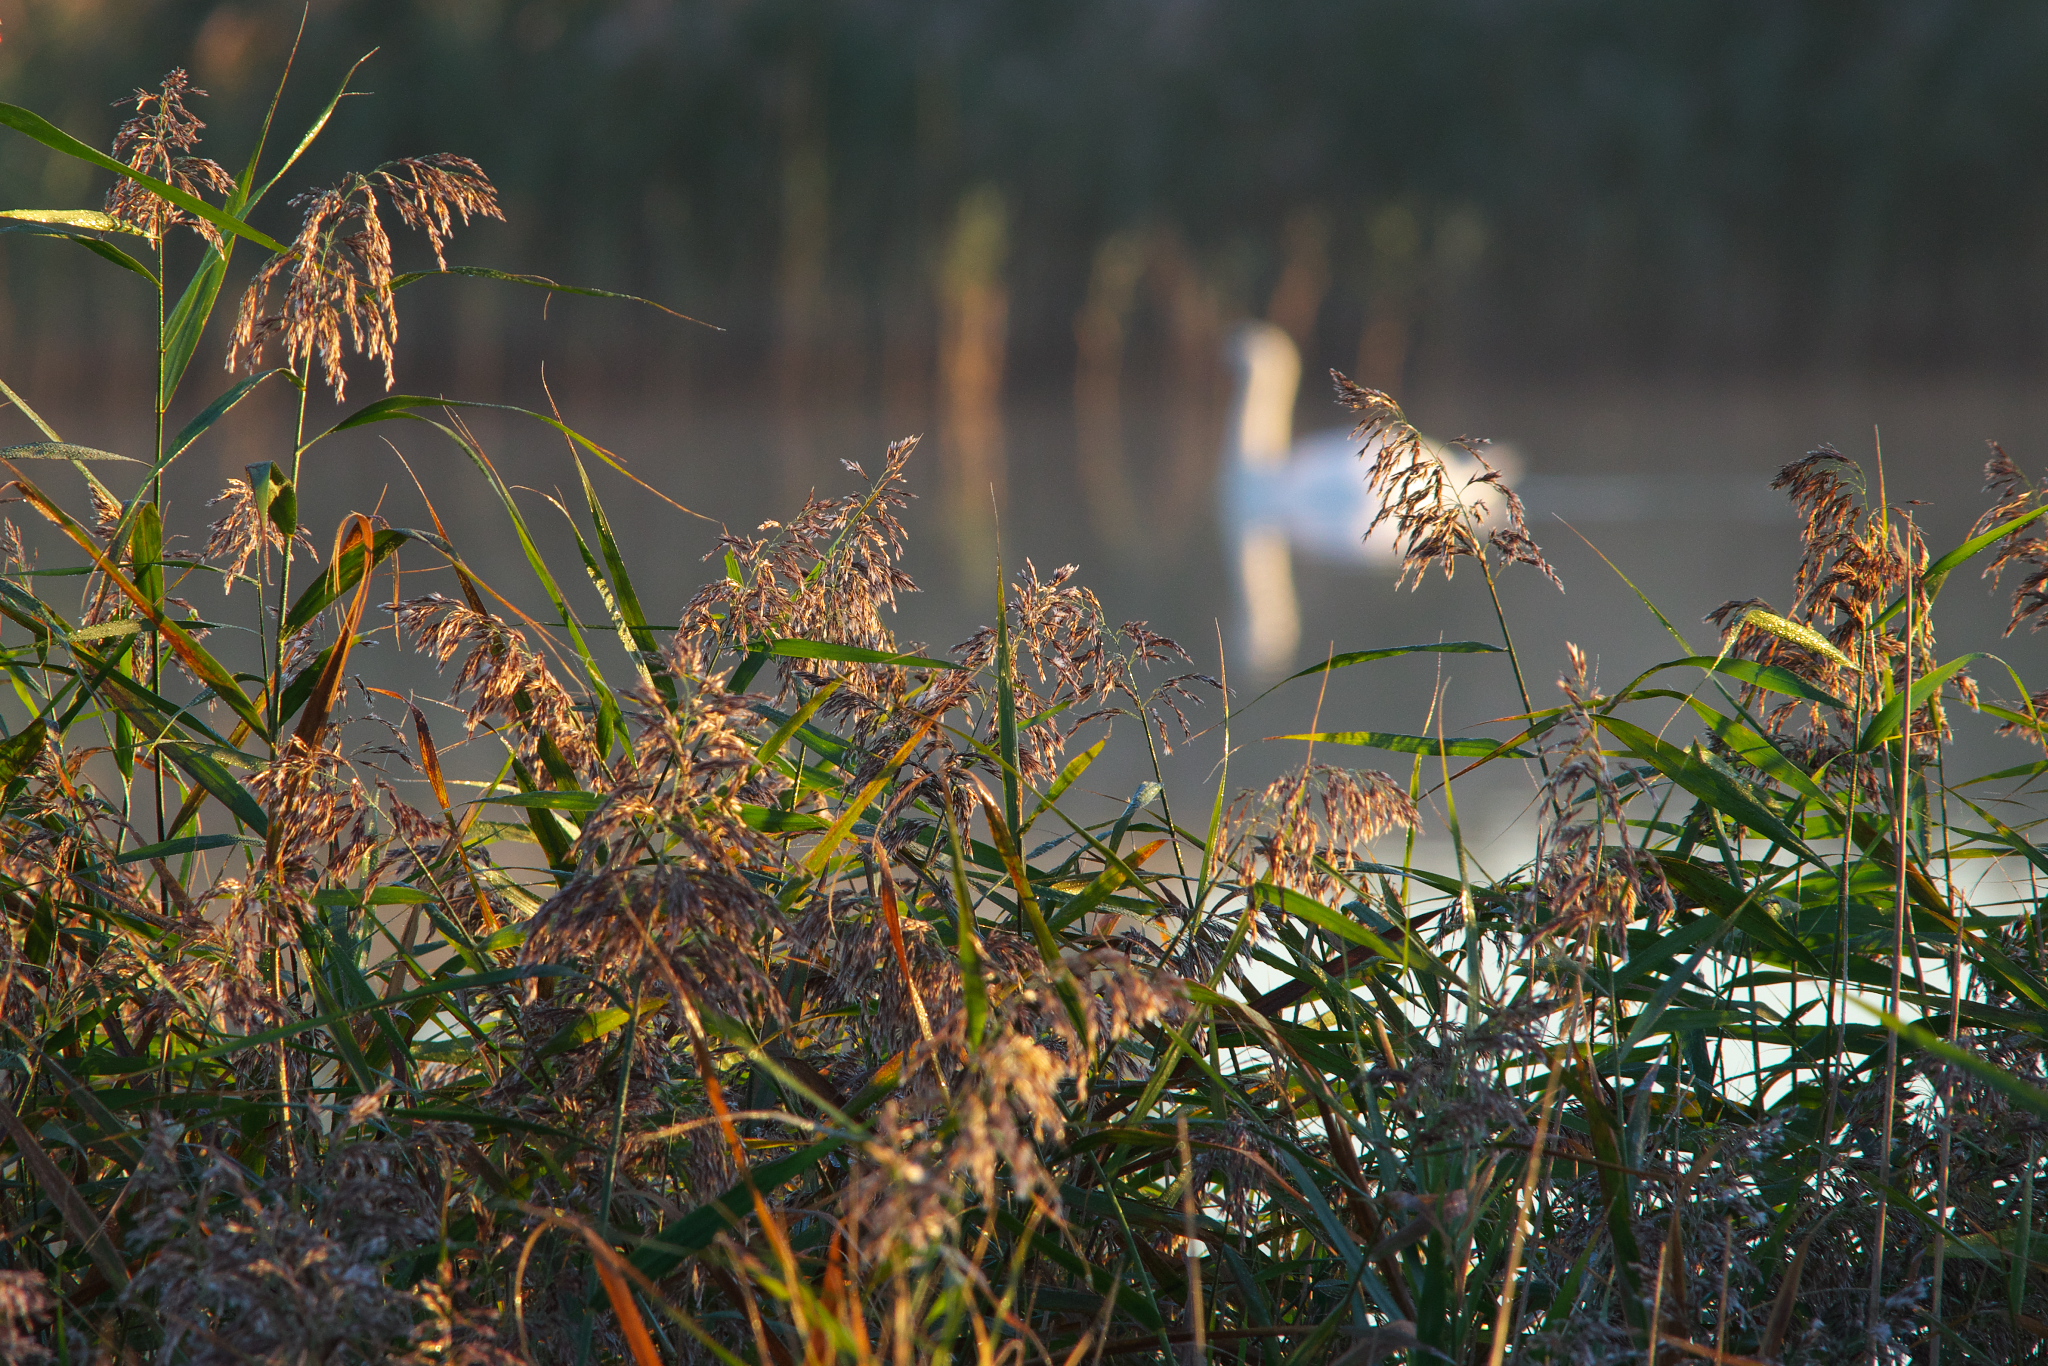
x: 775, y: 997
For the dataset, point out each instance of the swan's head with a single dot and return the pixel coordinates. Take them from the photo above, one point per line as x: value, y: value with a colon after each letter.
x: 1268, y: 370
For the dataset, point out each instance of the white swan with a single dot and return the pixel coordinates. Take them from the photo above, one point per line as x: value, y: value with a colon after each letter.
x: 1280, y: 494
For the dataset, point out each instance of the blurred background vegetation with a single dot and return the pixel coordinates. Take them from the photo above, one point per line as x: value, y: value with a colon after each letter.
x: 1510, y: 187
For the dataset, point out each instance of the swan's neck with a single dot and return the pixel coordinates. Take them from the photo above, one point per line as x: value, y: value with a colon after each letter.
x: 1262, y: 428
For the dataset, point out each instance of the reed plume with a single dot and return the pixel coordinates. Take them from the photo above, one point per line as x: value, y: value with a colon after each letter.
x: 158, y: 141
x: 338, y: 281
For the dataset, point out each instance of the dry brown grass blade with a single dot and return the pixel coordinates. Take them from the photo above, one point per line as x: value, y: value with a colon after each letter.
x: 895, y: 921
x: 1694, y: 1349
x: 202, y: 665
x: 1150, y: 1342
x: 621, y: 1295
x: 840, y: 1302
x: 431, y: 758
x: 458, y: 829
x: 612, y: 1272
x: 78, y: 1217
x: 1787, y: 1298
x: 1676, y: 1308
x: 1532, y: 1173
x: 357, y: 530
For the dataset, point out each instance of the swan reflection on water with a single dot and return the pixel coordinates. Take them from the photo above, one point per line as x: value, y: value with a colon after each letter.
x: 1282, y: 496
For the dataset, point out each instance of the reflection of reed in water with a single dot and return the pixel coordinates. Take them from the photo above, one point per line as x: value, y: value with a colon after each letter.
x: 1135, y: 271
x: 1280, y: 494
x: 1194, y: 329
x: 1101, y: 330
x: 1393, y: 279
x: 1304, y: 281
x: 800, y: 272
x: 974, y: 329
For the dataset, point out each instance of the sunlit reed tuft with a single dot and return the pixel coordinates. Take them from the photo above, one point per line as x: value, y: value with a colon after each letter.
x: 158, y: 141
x: 338, y: 280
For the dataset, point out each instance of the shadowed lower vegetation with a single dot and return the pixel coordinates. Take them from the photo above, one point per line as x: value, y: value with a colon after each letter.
x: 779, y: 993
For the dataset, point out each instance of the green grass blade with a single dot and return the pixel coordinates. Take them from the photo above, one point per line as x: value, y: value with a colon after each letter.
x: 850, y: 654
x: 1033, y: 916
x: 1936, y: 574
x: 973, y: 985
x: 1006, y: 710
x: 19, y: 751
x: 743, y: 673
x: 1891, y: 716
x: 821, y: 853
x: 1699, y: 885
x: 1770, y: 677
x: 56, y: 139
x: 306, y: 140
x: 640, y: 636
x: 1760, y: 751
x: 209, y: 773
x: 106, y: 251
x: 30, y: 413
x: 674, y: 1243
x: 214, y: 412
x: 1345, y: 661
x: 1344, y: 927
x: 1069, y: 775
x: 65, y: 451
x: 534, y: 559
x: 2022, y: 1093
x: 541, y: 282
x: 196, y: 657
x: 1417, y: 744
x: 402, y: 405
x: 331, y: 583
x: 189, y: 844
x: 187, y: 320
x: 145, y: 553
x: 92, y: 220
x: 1707, y: 783
x: 774, y: 743
x: 1105, y: 885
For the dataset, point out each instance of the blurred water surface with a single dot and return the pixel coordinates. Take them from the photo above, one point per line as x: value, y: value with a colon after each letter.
x: 1668, y: 482
x: 1658, y: 251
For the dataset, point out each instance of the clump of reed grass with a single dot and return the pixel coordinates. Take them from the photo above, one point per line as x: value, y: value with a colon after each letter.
x: 783, y: 996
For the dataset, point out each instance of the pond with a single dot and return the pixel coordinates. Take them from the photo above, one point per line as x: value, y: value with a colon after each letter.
x: 1668, y: 480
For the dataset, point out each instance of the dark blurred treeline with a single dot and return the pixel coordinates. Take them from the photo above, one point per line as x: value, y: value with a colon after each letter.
x: 879, y: 194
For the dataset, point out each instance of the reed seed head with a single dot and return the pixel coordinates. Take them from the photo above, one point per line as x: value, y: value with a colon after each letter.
x: 26, y: 1306
x: 1315, y: 815
x: 2025, y: 548
x: 1437, y: 515
x: 507, y: 683
x: 337, y: 279
x: 241, y: 533
x: 157, y: 141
